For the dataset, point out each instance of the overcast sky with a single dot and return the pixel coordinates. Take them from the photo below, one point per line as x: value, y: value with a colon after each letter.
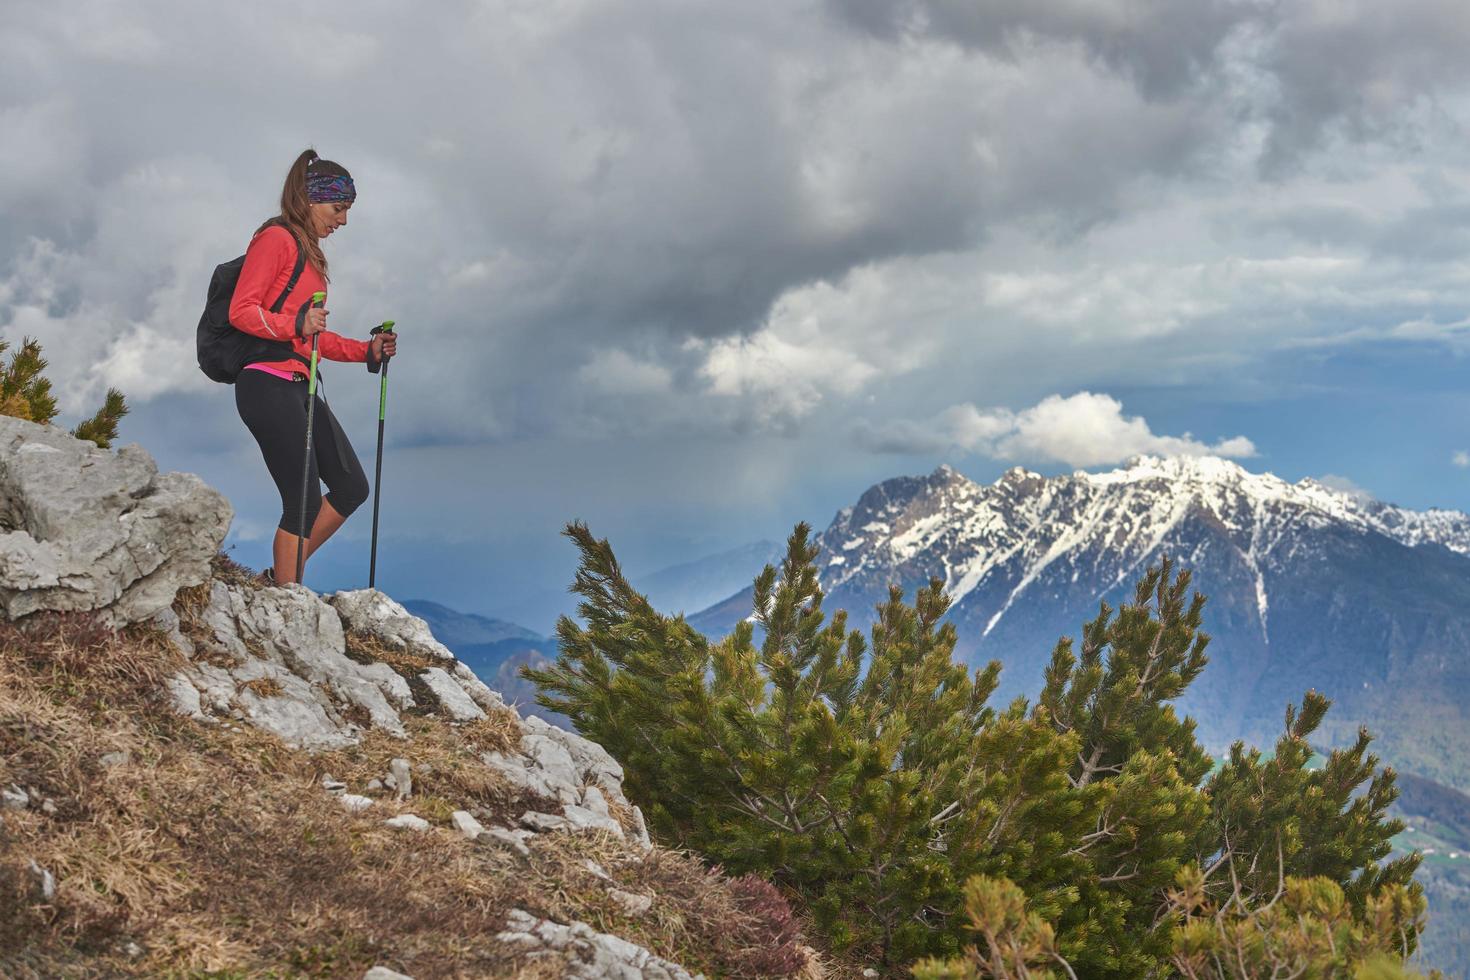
x: 693, y: 271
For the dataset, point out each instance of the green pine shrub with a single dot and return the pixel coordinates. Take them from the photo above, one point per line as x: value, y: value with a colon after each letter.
x: 25, y: 393
x: 1308, y: 927
x: 870, y: 779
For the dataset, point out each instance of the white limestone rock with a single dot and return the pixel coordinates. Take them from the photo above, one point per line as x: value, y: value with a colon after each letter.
x: 633, y: 904
x: 297, y: 642
x: 592, y: 799
x: 183, y: 697
x: 522, y: 773
x: 575, y: 772
x: 478, y: 692
x: 513, y: 839
x: 408, y: 821
x: 45, y: 882
x: 353, y: 803
x: 383, y: 973
x: 544, y: 822
x: 303, y: 633
x: 215, y: 686
x: 582, y: 819
x: 370, y: 611
x: 590, y: 955
x: 640, y: 830
x: 400, y: 779
x: 466, y: 824
x: 454, y: 702
x: 168, y: 623
x: 294, y: 641
x: 558, y: 771
x: 84, y: 529
x: 592, y: 762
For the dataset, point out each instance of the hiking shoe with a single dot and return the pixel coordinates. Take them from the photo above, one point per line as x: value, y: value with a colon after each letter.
x: 268, y: 577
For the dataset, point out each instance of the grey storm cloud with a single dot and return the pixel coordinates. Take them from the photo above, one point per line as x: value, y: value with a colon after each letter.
x: 1356, y: 65
x: 1366, y: 69
x: 551, y: 189
x: 706, y: 262
x: 1163, y: 44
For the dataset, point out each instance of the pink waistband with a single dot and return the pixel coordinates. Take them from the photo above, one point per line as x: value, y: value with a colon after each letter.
x: 289, y: 376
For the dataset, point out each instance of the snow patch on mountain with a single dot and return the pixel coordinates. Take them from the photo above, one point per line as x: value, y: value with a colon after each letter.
x: 948, y: 527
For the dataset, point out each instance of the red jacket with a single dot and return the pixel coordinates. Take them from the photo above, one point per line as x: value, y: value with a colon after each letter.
x: 268, y: 264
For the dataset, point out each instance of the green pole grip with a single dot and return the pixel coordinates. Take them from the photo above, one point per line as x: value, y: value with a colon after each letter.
x: 386, y: 327
x: 317, y: 299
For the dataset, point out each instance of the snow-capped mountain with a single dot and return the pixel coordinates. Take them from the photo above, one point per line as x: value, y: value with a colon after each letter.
x: 1101, y: 528
x: 1308, y: 586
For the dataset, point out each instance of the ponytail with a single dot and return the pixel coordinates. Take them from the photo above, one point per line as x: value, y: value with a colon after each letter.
x: 296, y: 206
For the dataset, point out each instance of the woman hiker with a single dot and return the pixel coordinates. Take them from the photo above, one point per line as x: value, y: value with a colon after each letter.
x: 272, y: 395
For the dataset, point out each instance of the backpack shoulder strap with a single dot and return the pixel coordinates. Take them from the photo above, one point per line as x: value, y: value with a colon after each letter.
x: 295, y: 272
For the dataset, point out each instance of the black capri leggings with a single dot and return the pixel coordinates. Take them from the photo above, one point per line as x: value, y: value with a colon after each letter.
x: 274, y: 410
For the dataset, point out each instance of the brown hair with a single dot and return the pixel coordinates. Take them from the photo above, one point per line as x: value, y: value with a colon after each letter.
x: 296, y: 207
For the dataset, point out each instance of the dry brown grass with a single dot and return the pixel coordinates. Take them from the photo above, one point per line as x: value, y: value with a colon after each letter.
x: 366, y: 648
x: 498, y: 731
x: 696, y: 919
x: 213, y: 849
x: 189, y: 605
x: 264, y: 687
x: 231, y: 572
x: 217, y: 853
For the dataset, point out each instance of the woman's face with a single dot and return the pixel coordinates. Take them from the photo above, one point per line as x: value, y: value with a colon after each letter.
x: 327, y: 218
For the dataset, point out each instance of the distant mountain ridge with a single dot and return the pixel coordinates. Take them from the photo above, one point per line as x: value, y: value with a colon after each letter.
x: 1308, y: 586
x: 453, y: 627
x: 495, y: 650
x: 691, y: 586
x: 978, y: 534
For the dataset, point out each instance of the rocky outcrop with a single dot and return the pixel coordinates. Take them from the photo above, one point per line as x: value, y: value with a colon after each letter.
x: 282, y: 658
x: 311, y: 671
x: 586, y: 953
x: 87, y: 530
x: 84, y: 529
x: 282, y: 655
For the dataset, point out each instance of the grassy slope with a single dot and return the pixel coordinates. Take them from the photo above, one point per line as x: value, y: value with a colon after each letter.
x: 214, y: 852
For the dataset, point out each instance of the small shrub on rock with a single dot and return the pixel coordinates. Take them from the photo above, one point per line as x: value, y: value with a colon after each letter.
x: 25, y: 393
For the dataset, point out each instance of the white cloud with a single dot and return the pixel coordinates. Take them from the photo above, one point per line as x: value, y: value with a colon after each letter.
x: 1084, y: 429
x: 1461, y: 458
x: 780, y: 380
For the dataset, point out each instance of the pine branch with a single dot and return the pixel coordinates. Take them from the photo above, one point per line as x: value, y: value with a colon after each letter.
x: 24, y: 393
x: 102, y: 427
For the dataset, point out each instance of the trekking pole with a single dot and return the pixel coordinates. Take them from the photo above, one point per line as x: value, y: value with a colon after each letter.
x: 386, y: 327
x: 317, y: 299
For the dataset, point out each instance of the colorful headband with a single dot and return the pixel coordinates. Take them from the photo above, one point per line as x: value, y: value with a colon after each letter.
x: 329, y: 188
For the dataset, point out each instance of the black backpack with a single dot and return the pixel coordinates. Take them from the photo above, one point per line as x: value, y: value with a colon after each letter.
x: 223, y: 350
